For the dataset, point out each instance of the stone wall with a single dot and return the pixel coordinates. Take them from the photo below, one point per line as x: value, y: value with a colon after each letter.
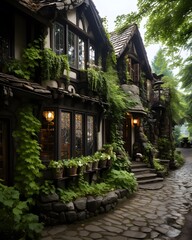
x: 52, y: 211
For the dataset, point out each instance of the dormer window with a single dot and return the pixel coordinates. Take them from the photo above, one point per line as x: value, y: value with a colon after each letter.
x: 58, y: 38
x: 76, y: 51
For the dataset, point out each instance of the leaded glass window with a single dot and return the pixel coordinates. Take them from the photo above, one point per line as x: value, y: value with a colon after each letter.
x: 78, y: 135
x: 58, y: 38
x: 76, y: 51
x: 72, y: 48
x: 90, y: 135
x: 81, y: 54
x: 65, y: 135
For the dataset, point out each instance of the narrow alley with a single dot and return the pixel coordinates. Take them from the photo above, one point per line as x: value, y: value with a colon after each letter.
x: 158, y: 214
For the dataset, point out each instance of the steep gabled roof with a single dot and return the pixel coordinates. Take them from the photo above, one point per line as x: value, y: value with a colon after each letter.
x: 35, y: 5
x: 120, y: 41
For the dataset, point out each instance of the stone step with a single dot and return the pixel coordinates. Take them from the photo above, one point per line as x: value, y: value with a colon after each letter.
x: 138, y: 165
x: 138, y: 170
x: 145, y: 176
x: 151, y: 181
x: 164, y: 162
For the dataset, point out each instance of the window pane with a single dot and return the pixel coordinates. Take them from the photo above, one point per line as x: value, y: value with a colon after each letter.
x: 81, y: 54
x: 58, y: 38
x: 91, y: 55
x: 65, y: 135
x: 47, y: 138
x: 71, y: 48
x: 78, y: 135
x: 90, y: 135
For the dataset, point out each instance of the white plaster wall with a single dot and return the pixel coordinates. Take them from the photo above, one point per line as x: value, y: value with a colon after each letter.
x: 20, y: 36
x: 71, y: 74
x: 99, y: 137
x: 86, y: 24
x: 50, y: 83
x: 72, y: 16
x: 48, y: 39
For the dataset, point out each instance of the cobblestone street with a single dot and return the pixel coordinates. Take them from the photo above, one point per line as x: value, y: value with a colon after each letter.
x: 149, y: 214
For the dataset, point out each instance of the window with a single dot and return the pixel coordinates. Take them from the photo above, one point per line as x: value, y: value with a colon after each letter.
x: 91, y: 55
x: 81, y: 54
x: 78, y: 135
x: 58, y: 38
x: 90, y: 135
x: 65, y: 135
x: 47, y: 136
x: 134, y: 70
x: 76, y: 51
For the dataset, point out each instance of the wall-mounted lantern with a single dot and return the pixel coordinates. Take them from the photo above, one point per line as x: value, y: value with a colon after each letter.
x: 135, y: 121
x: 49, y: 115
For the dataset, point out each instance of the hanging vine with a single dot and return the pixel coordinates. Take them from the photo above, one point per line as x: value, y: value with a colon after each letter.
x: 28, y: 163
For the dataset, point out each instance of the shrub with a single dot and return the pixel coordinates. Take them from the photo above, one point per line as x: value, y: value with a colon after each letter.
x: 15, y: 220
x: 179, y: 160
x: 122, y: 179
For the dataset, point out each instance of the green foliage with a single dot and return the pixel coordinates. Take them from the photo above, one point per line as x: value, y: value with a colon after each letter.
x: 95, y: 79
x: 179, y: 159
x: 15, y: 220
x: 55, y: 164
x: 67, y: 195
x: 37, y: 61
x: 28, y: 163
x: 158, y: 166
x: 163, y: 19
x: 26, y: 67
x: 165, y: 148
x: 122, y: 179
x: 72, y: 162
x: 47, y: 187
x: 121, y: 162
x: 83, y: 189
x: 175, y: 101
x: 53, y: 65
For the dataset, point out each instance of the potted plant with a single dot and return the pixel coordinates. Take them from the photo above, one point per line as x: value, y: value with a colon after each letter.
x: 96, y: 158
x: 57, y: 168
x: 104, y: 157
x: 88, y: 160
x: 71, y: 165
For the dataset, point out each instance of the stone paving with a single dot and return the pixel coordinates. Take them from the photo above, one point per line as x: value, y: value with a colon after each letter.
x: 149, y: 214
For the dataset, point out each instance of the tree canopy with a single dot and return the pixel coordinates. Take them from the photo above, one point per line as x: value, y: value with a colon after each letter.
x: 170, y: 24
x: 177, y: 101
x: 167, y: 22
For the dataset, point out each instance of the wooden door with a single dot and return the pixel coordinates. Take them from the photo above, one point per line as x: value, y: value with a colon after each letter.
x: 127, y: 135
x: 4, y: 150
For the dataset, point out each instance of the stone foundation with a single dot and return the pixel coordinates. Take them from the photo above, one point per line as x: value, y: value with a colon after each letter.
x: 52, y: 211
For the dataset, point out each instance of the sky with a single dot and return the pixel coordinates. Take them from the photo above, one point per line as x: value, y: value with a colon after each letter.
x: 112, y: 8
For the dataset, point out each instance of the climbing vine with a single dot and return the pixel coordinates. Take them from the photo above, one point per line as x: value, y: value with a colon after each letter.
x: 28, y: 163
x: 36, y: 62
